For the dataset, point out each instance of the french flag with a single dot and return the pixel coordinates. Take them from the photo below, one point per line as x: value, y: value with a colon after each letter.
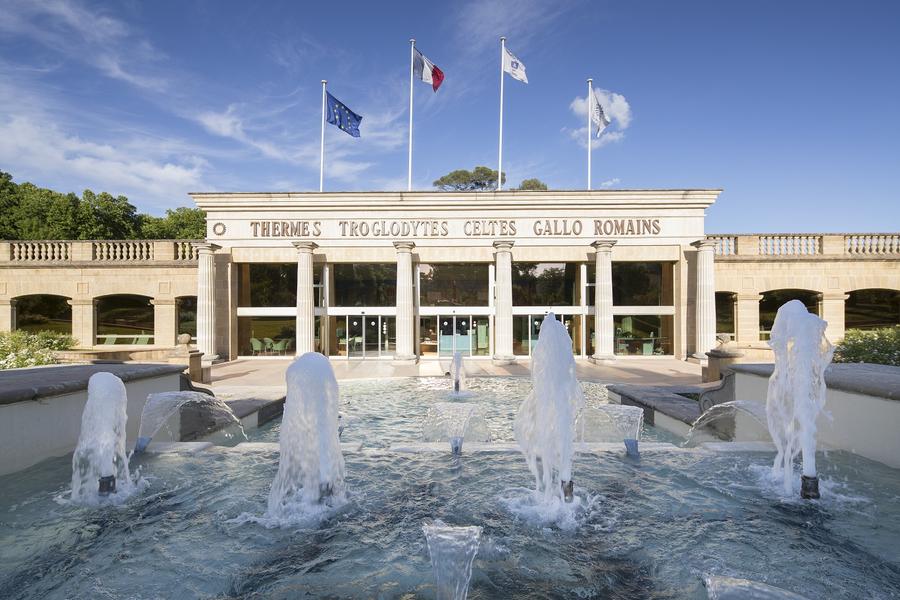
x: 426, y: 71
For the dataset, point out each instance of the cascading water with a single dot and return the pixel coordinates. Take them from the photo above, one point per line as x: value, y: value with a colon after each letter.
x: 455, y: 422
x: 545, y: 424
x: 729, y: 412
x: 206, y: 414
x: 452, y: 551
x: 796, y: 393
x: 311, y: 466
x: 100, y: 463
x: 458, y: 373
x: 611, y: 423
x: 731, y: 588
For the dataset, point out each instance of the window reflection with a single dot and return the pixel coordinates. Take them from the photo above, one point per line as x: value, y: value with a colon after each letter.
x: 453, y: 284
x: 545, y: 284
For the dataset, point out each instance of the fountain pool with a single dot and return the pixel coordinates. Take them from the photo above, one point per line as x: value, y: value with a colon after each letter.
x: 648, y: 528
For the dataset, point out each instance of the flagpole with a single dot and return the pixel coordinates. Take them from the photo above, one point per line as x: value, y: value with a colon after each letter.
x: 322, y: 144
x: 500, y: 153
x: 590, y: 107
x: 412, y: 55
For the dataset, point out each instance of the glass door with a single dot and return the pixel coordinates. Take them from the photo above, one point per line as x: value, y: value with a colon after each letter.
x: 456, y: 335
x: 355, y: 333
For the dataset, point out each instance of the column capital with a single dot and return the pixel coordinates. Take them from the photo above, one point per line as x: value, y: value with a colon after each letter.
x: 82, y: 301
x: 162, y: 301
x: 503, y: 245
x: 404, y: 245
x: 205, y: 247
x: 748, y: 296
x: 304, y: 246
x: 835, y: 296
x: 8, y: 301
x: 704, y: 245
x: 603, y: 245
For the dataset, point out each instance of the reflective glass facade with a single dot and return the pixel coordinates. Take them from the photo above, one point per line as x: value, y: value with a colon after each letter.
x: 459, y: 284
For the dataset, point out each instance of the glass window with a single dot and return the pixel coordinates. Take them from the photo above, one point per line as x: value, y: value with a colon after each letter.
x: 266, y: 336
x: 365, y: 284
x: 481, y: 331
x: 545, y: 284
x: 428, y: 336
x: 272, y: 284
x: 460, y: 284
x: 643, y: 335
x: 642, y: 284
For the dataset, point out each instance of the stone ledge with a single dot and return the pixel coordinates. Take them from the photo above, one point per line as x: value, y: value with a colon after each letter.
x: 661, y: 399
x: 22, y: 385
x: 882, y: 381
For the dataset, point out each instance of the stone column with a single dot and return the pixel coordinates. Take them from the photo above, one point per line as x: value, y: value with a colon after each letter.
x: 165, y: 321
x: 206, y: 299
x: 706, y: 298
x: 833, y: 313
x: 8, y: 314
x: 603, y: 302
x: 503, y: 344
x: 84, y: 321
x: 406, y: 326
x: 306, y: 301
x: 746, y: 318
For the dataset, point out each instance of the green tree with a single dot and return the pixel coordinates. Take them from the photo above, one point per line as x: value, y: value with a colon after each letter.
x: 9, y: 201
x: 533, y: 184
x: 105, y: 217
x: 461, y: 180
x: 43, y: 214
x: 180, y: 223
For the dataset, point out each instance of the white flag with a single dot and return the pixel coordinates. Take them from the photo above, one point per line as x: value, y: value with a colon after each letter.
x: 514, y: 66
x: 598, y: 117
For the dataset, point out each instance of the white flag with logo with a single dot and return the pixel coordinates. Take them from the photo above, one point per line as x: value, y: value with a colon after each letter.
x: 514, y: 66
x: 598, y: 116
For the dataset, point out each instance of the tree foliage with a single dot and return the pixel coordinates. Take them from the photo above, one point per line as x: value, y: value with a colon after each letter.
x: 461, y: 180
x: 29, y: 212
x: 533, y: 184
x: 878, y: 346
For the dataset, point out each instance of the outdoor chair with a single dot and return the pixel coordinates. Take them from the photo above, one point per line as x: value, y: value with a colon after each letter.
x: 256, y: 346
x: 142, y: 340
x: 280, y: 346
x: 269, y: 344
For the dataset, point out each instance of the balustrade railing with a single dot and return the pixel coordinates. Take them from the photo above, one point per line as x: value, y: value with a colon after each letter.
x: 872, y: 244
x: 790, y: 245
x: 185, y: 251
x: 726, y: 245
x: 40, y: 251
x: 123, y: 251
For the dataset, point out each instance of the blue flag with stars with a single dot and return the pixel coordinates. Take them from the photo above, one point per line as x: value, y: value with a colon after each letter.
x: 341, y: 116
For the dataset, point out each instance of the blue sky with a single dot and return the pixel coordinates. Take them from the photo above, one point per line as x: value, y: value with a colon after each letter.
x: 791, y: 107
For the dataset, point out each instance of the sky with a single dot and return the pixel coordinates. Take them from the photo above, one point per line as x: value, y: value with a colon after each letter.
x: 790, y: 107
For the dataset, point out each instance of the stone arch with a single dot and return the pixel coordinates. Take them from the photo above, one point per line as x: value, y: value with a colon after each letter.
x: 772, y: 299
x: 42, y: 312
x: 725, y: 313
x: 124, y: 319
x: 871, y: 308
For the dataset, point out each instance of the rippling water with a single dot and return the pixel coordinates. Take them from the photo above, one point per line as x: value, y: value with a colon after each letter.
x: 645, y: 529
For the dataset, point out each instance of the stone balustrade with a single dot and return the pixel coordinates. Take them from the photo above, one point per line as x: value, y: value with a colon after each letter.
x: 801, y: 245
x: 55, y: 252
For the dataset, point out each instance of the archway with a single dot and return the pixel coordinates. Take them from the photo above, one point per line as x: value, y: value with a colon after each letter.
x: 186, y: 316
x: 44, y: 312
x: 872, y: 308
x: 772, y: 300
x: 725, y: 314
x: 124, y: 319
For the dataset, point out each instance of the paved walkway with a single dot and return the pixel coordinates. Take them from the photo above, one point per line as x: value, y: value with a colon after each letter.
x: 265, y: 377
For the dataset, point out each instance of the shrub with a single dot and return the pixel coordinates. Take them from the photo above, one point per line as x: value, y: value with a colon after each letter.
x: 24, y: 349
x: 879, y: 346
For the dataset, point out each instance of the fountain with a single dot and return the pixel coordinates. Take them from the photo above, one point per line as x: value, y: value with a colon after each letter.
x: 545, y: 424
x: 730, y: 414
x: 731, y: 588
x: 455, y: 422
x: 198, y: 413
x: 611, y: 423
x: 796, y: 393
x: 311, y: 466
x: 452, y: 551
x: 458, y: 373
x: 100, y: 464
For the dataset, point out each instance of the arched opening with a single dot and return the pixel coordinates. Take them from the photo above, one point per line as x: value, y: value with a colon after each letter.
x: 186, y: 316
x: 772, y: 300
x: 725, y: 314
x: 124, y: 319
x: 872, y: 309
x: 44, y: 312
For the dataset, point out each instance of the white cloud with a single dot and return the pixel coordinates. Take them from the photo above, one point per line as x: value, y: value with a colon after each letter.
x: 31, y: 148
x: 616, y: 108
x: 610, y: 182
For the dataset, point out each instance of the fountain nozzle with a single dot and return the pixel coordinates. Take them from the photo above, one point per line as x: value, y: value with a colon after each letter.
x: 107, y: 485
x: 456, y: 443
x: 456, y: 386
x: 568, y: 489
x: 809, y: 487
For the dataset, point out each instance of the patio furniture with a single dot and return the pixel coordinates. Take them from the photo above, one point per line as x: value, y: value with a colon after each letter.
x: 142, y: 340
x: 256, y: 346
x: 269, y: 344
x: 280, y: 346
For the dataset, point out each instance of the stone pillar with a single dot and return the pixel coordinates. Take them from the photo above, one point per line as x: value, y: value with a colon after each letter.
x: 833, y: 313
x: 706, y: 298
x: 84, y: 321
x: 503, y: 344
x: 165, y: 321
x: 306, y: 301
x: 406, y: 327
x: 8, y: 314
x: 746, y: 318
x: 603, y: 302
x: 206, y: 300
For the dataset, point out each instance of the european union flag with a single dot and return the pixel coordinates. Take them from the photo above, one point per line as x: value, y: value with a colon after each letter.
x: 341, y: 116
